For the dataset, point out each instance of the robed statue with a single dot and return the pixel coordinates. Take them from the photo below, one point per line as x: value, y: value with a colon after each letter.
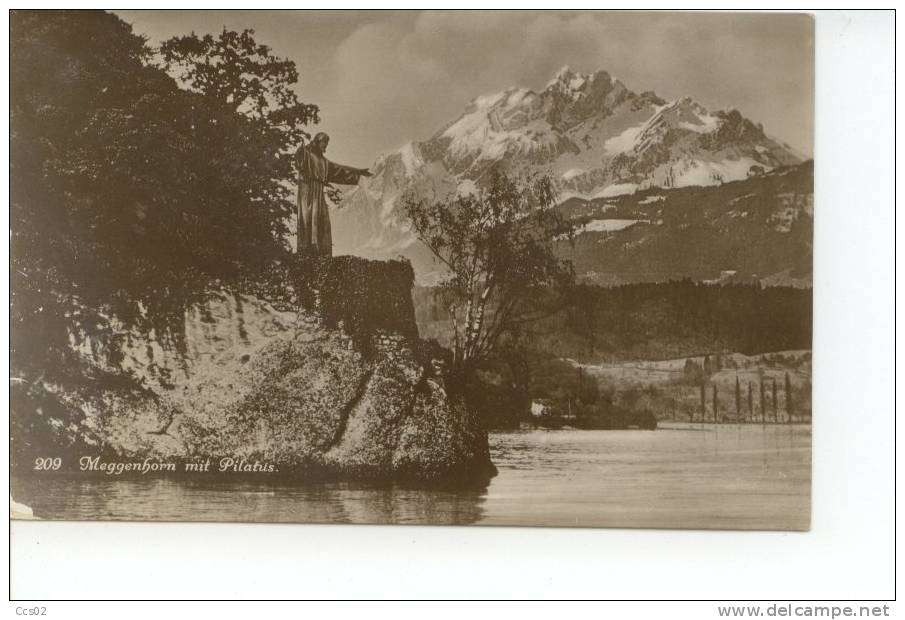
x: 315, y: 172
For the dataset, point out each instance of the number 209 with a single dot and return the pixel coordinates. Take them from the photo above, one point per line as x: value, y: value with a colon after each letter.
x: 48, y: 463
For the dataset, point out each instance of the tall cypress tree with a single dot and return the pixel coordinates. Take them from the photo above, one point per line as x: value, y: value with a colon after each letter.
x: 750, y: 403
x: 789, y: 408
x: 738, y: 400
x: 763, y: 403
x: 703, y: 402
x: 775, y: 408
x: 716, y: 415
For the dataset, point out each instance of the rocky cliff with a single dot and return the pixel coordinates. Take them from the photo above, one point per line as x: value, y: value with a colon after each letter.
x: 266, y: 380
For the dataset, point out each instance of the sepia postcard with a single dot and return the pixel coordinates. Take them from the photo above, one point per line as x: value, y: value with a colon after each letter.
x: 523, y: 268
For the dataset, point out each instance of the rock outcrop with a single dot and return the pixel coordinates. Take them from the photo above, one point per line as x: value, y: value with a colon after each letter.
x: 266, y: 386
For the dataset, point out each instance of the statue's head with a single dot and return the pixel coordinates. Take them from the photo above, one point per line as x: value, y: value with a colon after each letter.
x: 320, y: 141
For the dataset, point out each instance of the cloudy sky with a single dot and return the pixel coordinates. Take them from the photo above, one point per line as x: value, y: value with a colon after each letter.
x: 383, y: 78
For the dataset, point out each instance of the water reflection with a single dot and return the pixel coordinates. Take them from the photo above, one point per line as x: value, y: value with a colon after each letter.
x: 679, y: 476
x: 187, y: 500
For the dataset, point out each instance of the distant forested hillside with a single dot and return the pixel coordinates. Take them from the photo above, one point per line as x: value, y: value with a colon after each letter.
x: 756, y: 230
x: 658, y: 321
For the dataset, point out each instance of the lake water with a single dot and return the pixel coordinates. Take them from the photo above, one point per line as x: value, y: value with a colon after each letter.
x: 679, y: 476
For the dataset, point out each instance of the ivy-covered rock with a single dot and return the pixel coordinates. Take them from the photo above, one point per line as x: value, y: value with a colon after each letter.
x: 341, y: 389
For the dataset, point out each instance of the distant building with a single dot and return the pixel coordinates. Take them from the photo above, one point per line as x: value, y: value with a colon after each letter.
x: 540, y: 408
x: 727, y: 275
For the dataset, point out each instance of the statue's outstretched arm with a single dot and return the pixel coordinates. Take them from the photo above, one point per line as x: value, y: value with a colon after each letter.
x: 345, y: 175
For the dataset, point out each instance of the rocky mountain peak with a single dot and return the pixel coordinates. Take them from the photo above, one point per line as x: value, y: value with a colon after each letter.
x: 594, y: 135
x: 567, y: 79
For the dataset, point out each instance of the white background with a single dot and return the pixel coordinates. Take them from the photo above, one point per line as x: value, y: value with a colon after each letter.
x: 848, y: 554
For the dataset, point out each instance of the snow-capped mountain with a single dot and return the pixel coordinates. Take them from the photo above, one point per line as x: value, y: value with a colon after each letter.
x: 596, y: 137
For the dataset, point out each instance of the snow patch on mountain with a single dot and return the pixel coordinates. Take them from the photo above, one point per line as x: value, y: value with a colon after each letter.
x: 698, y: 172
x: 576, y: 82
x: 616, y: 189
x: 411, y: 158
x: 572, y: 173
x: 487, y: 130
x: 607, y: 225
x: 702, y: 123
x: 569, y: 195
x: 625, y: 141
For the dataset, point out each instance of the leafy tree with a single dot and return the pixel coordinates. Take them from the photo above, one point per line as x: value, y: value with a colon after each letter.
x: 68, y: 69
x: 132, y: 197
x: 496, y: 246
x: 240, y: 74
x: 252, y: 89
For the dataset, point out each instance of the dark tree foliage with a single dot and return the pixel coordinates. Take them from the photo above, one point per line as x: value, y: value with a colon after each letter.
x: 661, y: 321
x: 750, y: 403
x: 703, y: 401
x: 763, y: 401
x: 773, y: 402
x: 675, y: 319
x: 716, y: 407
x: 243, y: 80
x: 692, y: 372
x: 130, y: 196
x: 788, y: 388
